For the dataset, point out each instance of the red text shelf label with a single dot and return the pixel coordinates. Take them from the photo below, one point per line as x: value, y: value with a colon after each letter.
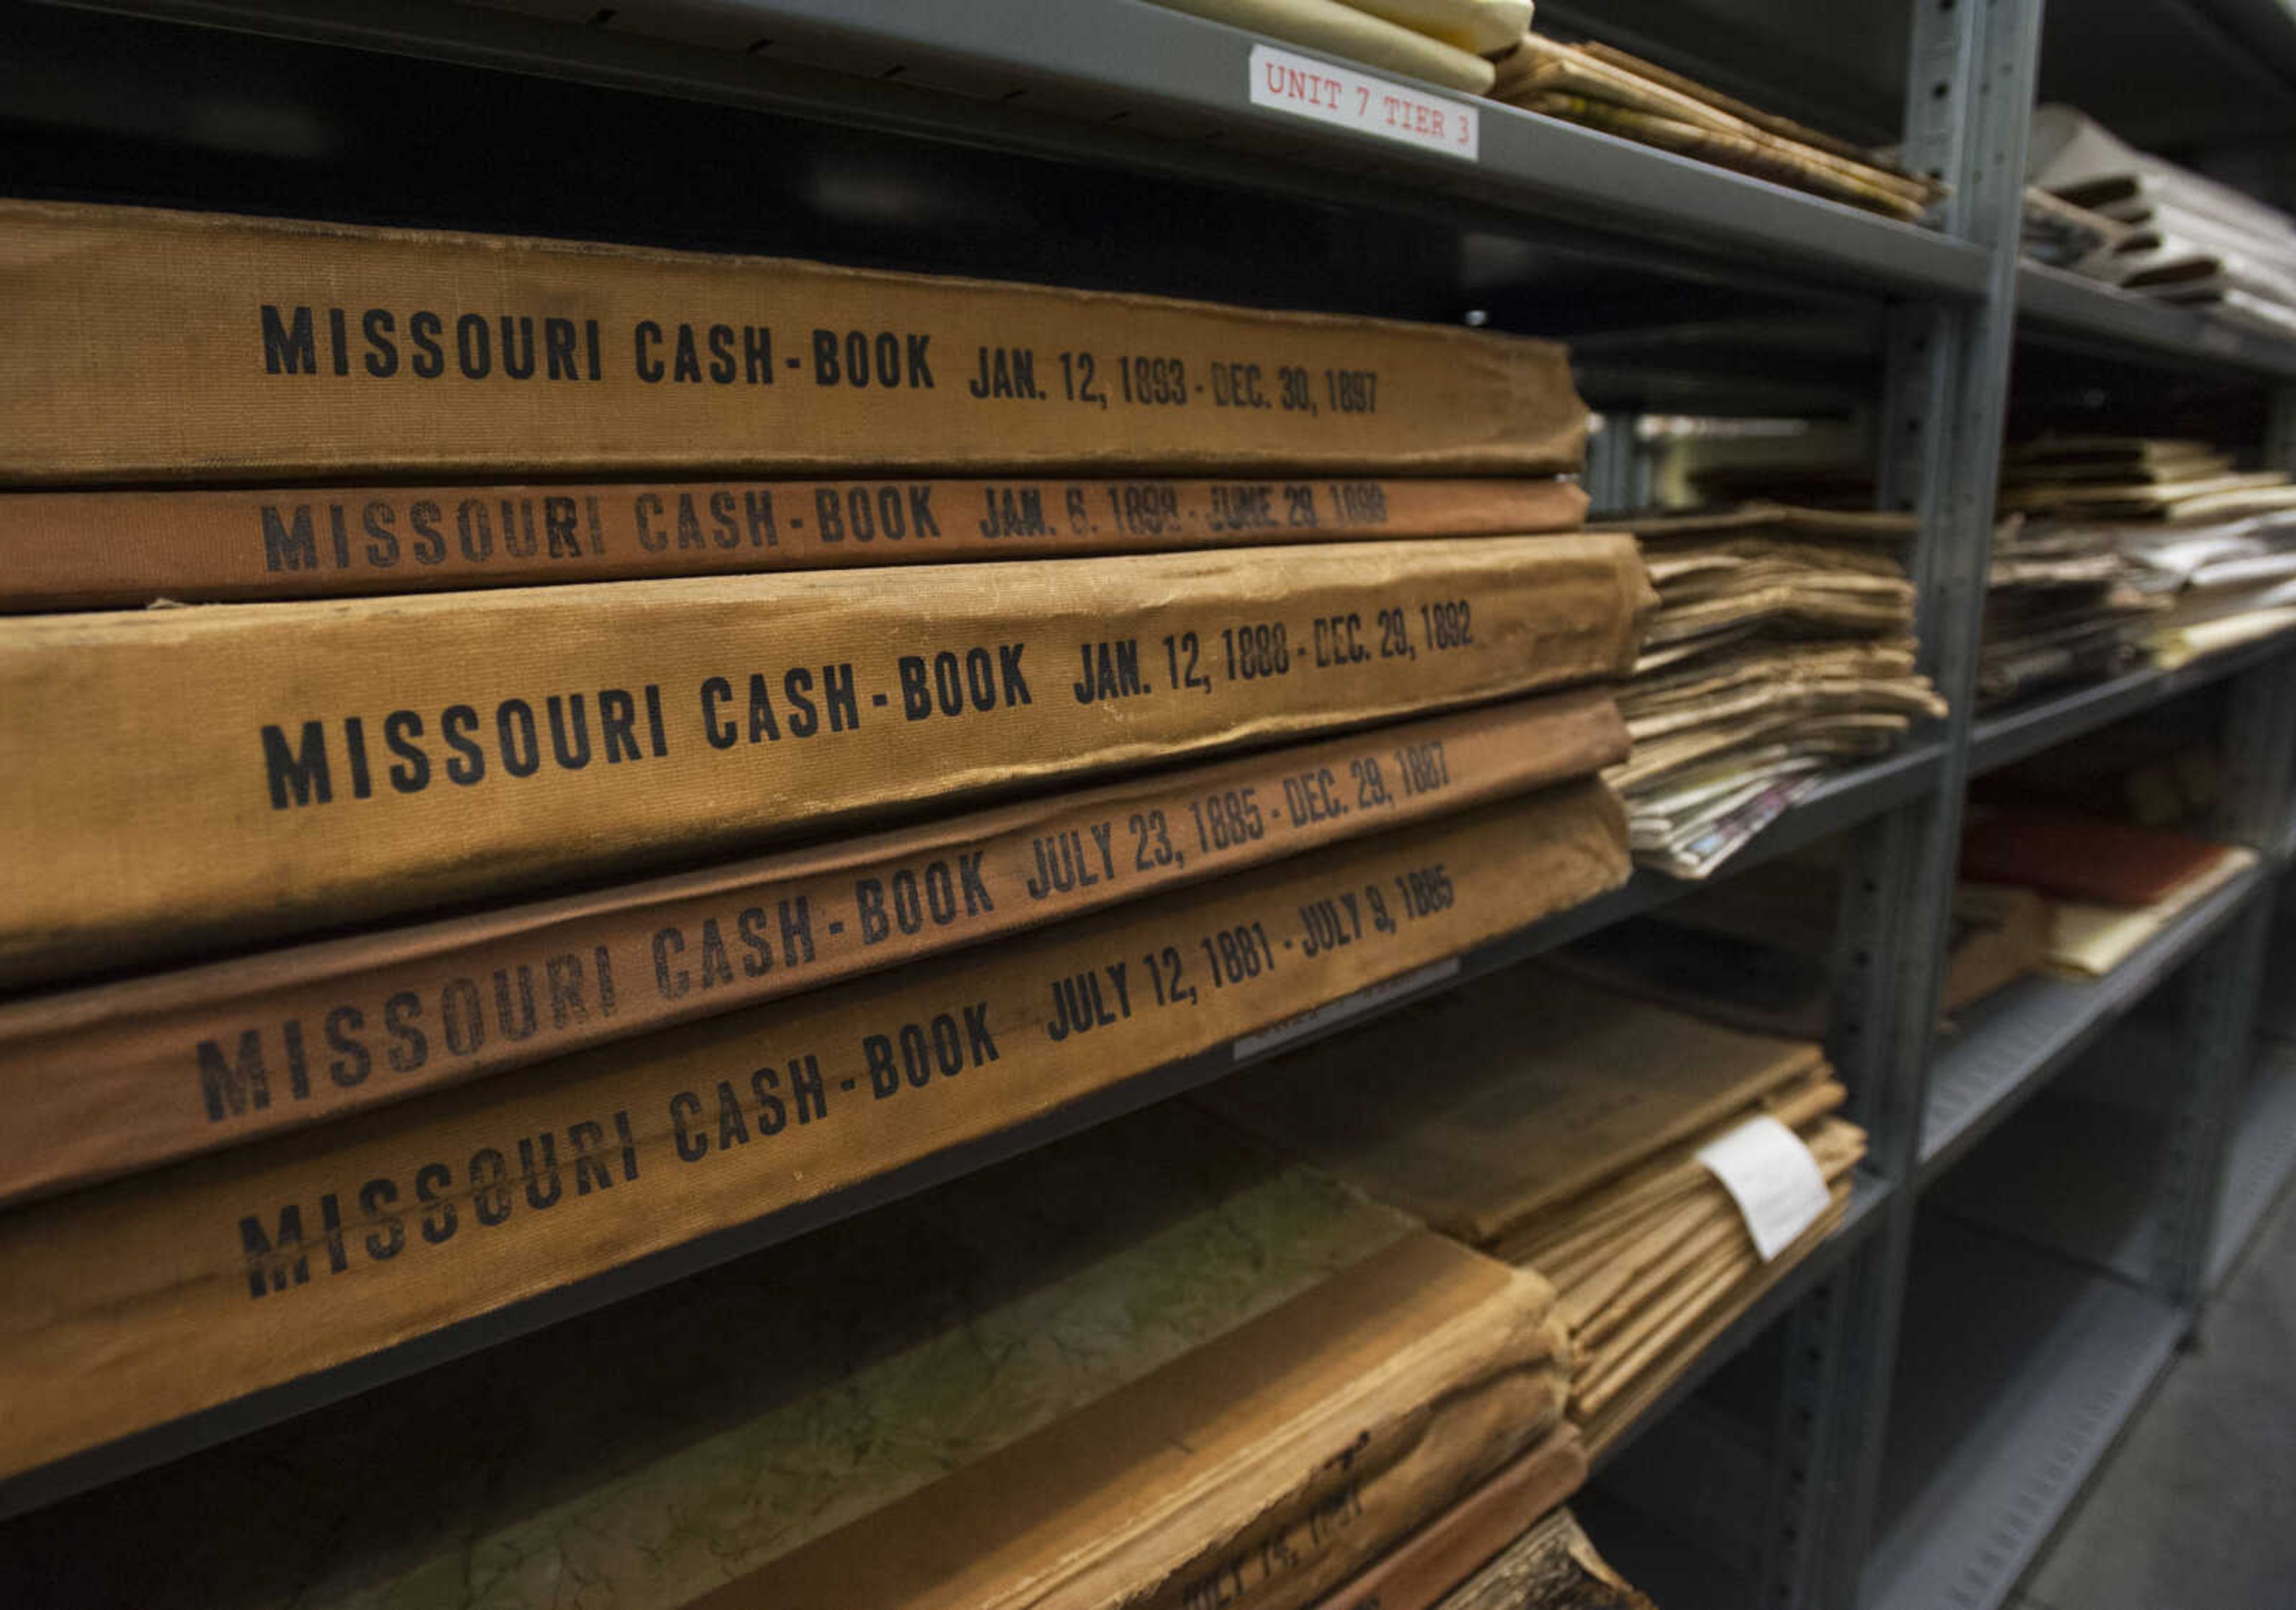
x: 1347, y: 99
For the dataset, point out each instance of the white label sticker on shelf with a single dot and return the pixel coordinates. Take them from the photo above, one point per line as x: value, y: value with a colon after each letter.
x: 1330, y: 1014
x: 1774, y: 1179
x: 1325, y: 93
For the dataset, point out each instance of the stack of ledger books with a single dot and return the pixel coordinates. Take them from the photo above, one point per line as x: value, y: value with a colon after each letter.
x: 1607, y: 88
x: 516, y: 748
x: 1575, y: 1130
x: 1152, y: 1367
x: 2181, y: 238
x: 1444, y: 42
x: 1783, y: 649
x: 2115, y: 886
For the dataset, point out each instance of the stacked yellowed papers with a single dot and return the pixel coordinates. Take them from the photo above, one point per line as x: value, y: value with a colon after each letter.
x: 1782, y: 649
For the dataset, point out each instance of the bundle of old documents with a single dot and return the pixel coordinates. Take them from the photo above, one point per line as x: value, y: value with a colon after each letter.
x: 2222, y: 583
x: 1606, y: 88
x: 2183, y: 239
x: 2132, y: 549
x: 2134, y: 478
x: 2062, y: 235
x: 1590, y: 1136
x: 1783, y: 649
x: 2062, y: 605
x: 1152, y: 1367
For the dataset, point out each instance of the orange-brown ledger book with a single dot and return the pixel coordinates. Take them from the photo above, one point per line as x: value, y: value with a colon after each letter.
x: 149, y: 345
x: 125, y: 549
x: 137, y: 1302
x: 1145, y: 1366
x: 124, y: 1075
x: 179, y: 778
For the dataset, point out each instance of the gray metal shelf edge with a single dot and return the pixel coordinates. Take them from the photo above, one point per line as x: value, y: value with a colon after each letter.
x: 2067, y: 309
x: 2054, y: 718
x: 1846, y: 800
x: 1054, y: 78
x: 2009, y: 1044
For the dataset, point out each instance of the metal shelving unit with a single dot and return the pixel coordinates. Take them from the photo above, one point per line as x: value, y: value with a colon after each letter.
x: 1945, y: 1389
x: 2019, y: 1369
x: 1845, y: 801
x: 2261, y: 1158
x: 2009, y: 1044
x: 1035, y: 78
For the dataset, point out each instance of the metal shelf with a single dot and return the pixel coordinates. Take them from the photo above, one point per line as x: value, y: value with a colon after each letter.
x: 2261, y: 1157
x: 1845, y: 800
x: 2017, y: 1371
x: 2065, y: 309
x: 2044, y: 722
x: 1127, y: 82
x: 2077, y: 1176
x: 2012, y: 1041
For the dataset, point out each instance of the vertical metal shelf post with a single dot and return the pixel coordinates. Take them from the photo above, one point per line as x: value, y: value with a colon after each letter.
x: 1971, y: 69
x: 2222, y: 985
x: 1613, y: 477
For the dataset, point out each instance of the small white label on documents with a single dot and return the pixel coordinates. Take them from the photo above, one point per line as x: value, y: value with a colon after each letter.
x: 1326, y: 92
x: 1244, y: 1047
x: 1772, y: 1177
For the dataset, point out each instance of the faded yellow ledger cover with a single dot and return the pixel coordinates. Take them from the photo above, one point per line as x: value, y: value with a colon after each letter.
x: 183, y: 777
x: 145, y: 345
x: 137, y: 1302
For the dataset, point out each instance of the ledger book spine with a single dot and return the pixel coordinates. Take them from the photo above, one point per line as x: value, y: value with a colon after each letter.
x: 137, y: 1302
x: 190, y: 776
x: 145, y: 345
x: 102, y: 549
x: 125, y: 1075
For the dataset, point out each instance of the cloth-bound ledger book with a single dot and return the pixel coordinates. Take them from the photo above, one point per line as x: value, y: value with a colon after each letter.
x: 1140, y: 1368
x: 2083, y: 857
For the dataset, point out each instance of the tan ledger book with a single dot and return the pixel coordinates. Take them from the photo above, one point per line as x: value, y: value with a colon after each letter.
x: 136, y: 1301
x: 1253, y: 1473
x: 1556, y: 1126
x: 184, y: 346
x: 1477, y: 1109
x: 105, y: 550
x: 185, y: 777
x: 1261, y: 1365
x: 123, y: 1075
x: 1418, y: 1572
